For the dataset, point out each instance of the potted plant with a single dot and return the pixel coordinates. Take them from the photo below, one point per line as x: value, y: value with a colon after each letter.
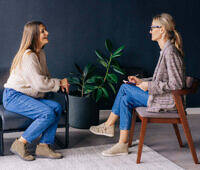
x: 90, y: 86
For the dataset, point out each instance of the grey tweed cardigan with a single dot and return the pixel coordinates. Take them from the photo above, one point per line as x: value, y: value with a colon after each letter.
x: 168, y: 75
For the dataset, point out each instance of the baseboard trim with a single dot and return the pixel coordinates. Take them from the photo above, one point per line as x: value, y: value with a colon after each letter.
x: 193, y: 110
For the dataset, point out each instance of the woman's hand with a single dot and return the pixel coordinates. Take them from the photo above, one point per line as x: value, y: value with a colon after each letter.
x: 143, y: 85
x: 134, y: 79
x: 64, y: 84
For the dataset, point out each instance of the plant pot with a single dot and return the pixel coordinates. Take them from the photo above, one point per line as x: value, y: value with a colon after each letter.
x: 83, y: 112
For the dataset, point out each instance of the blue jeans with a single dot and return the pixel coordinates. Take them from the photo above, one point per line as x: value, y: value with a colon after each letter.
x: 128, y: 97
x: 44, y: 113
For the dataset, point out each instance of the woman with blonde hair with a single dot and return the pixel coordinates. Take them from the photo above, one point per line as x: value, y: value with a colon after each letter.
x: 155, y: 94
x: 25, y: 88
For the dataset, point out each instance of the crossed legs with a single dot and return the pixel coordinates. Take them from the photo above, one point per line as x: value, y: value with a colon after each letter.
x: 128, y: 97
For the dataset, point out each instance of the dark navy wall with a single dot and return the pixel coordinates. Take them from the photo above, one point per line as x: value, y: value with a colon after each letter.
x: 78, y: 27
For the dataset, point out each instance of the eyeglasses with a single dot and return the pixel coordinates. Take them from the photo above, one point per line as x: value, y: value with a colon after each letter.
x: 154, y: 26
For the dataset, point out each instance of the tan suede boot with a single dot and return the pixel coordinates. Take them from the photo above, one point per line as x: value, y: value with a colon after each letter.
x: 116, y: 150
x: 102, y: 129
x: 44, y: 151
x: 20, y: 149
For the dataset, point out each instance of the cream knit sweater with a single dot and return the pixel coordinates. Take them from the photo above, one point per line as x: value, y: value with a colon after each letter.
x: 32, y: 78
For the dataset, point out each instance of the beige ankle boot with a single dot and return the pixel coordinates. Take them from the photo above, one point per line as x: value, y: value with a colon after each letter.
x: 20, y: 149
x: 116, y: 150
x: 44, y: 151
x: 102, y: 129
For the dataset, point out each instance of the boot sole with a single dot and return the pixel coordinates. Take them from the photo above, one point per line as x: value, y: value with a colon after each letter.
x: 117, y: 154
x: 103, y: 134
x: 14, y: 152
x: 39, y: 156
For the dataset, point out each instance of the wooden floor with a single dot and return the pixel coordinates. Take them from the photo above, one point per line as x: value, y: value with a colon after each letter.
x: 159, y: 137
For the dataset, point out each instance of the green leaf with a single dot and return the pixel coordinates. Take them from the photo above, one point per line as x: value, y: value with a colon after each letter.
x: 116, y: 55
x: 78, y: 68
x: 88, y: 91
x: 86, y: 69
x: 108, y: 45
x: 90, y: 87
x: 73, y: 73
x: 105, y: 92
x: 99, y: 94
x: 94, y: 79
x: 103, y: 63
x: 119, y: 50
x: 74, y: 80
x: 99, y: 55
x: 91, y: 80
x: 115, y: 63
x: 113, y: 78
x: 118, y: 70
x: 112, y: 87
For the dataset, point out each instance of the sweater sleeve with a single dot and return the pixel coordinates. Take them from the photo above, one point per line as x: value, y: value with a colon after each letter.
x: 32, y: 75
x: 175, y: 81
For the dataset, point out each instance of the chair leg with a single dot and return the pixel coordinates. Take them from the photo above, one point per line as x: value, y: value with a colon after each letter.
x: 67, y: 136
x: 131, y: 133
x: 58, y: 143
x: 142, y: 134
x: 1, y: 144
x: 66, y: 142
x: 189, y: 138
x: 176, y: 129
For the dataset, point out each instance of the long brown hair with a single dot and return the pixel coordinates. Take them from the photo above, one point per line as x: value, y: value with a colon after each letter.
x: 167, y: 21
x: 30, y: 40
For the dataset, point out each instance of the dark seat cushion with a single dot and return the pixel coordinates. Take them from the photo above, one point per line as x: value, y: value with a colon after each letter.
x: 142, y: 112
x: 13, y: 121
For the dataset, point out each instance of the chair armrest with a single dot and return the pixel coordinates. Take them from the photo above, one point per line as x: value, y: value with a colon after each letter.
x: 185, y: 91
x: 66, y: 100
x: 191, y: 90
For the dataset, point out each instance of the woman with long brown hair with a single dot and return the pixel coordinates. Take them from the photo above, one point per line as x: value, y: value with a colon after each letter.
x: 25, y: 88
x: 155, y: 94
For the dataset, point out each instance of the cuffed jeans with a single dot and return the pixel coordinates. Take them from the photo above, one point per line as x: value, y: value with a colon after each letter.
x: 45, y: 114
x: 128, y: 97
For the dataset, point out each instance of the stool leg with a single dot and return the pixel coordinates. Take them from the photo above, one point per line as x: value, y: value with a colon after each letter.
x: 142, y: 134
x: 175, y: 126
x: 131, y: 133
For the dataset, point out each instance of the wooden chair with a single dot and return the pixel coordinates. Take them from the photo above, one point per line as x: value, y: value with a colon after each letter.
x: 168, y: 117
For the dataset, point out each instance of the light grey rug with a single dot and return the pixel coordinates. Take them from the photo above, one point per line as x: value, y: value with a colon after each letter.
x: 90, y: 158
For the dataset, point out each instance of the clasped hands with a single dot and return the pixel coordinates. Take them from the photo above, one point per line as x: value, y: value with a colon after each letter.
x: 139, y: 83
x: 64, y: 84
